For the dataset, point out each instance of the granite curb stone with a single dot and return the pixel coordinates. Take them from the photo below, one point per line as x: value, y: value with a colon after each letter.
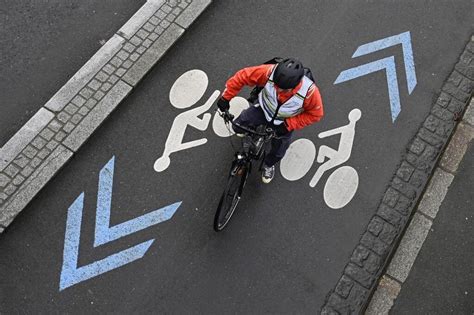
x: 469, y: 114
x: 409, y: 247
x: 33, y: 184
x: 416, y: 233
x: 24, y: 136
x: 97, y: 115
x: 435, y: 193
x: 457, y: 147
x: 150, y: 57
x: 384, y: 296
x: 84, y: 75
x: 49, y: 139
x: 371, y: 256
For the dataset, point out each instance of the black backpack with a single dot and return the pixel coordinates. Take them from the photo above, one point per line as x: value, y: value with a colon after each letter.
x: 254, y: 93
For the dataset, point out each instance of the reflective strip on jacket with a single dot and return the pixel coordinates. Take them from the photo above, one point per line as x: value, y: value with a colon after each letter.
x: 277, y: 112
x: 313, y: 109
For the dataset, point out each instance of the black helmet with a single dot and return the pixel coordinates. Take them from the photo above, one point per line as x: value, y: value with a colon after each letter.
x: 288, y: 73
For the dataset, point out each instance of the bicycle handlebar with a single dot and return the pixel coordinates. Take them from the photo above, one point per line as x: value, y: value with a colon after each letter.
x: 228, y: 117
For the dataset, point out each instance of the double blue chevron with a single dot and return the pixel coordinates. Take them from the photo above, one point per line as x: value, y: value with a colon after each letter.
x: 387, y: 64
x: 71, y: 274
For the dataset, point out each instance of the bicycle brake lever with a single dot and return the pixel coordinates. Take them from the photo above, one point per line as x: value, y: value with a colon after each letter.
x: 225, y: 115
x: 228, y: 116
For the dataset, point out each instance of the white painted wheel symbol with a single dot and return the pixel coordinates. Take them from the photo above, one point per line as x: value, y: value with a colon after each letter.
x: 237, y: 105
x: 188, y: 89
x: 298, y: 159
x: 341, y: 187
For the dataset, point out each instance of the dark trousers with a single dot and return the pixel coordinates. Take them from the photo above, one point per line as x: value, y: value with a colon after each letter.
x: 253, y: 117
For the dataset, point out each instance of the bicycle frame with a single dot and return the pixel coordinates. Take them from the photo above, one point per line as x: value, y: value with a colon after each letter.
x: 252, y: 149
x: 256, y: 139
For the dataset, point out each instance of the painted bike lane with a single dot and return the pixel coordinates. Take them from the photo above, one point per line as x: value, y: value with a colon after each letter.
x: 285, y: 248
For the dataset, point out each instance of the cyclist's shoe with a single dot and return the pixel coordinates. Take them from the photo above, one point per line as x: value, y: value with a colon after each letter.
x: 268, y: 172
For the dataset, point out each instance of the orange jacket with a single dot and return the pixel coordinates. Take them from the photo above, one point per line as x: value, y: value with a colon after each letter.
x: 258, y: 75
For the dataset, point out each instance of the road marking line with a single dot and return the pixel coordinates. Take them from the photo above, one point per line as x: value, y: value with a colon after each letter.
x: 71, y: 273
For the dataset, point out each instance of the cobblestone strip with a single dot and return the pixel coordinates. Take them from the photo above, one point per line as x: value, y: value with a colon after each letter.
x: 413, y: 239
x: 47, y: 141
x: 379, y: 242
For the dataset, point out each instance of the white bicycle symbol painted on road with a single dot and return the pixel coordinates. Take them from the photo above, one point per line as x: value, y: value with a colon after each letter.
x: 340, y: 186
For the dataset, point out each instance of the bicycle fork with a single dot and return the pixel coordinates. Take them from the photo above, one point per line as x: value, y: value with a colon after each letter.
x: 242, y: 167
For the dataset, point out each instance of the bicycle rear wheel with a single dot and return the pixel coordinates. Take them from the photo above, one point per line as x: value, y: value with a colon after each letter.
x: 231, y: 196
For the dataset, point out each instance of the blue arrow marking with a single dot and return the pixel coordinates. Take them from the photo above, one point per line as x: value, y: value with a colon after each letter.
x: 409, y: 61
x: 70, y: 273
x: 104, y: 233
x: 389, y: 65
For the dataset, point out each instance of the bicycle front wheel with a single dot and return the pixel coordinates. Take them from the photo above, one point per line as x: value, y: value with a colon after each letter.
x: 231, y: 197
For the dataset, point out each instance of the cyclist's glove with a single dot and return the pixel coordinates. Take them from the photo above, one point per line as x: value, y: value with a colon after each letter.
x: 281, y: 130
x: 223, y: 104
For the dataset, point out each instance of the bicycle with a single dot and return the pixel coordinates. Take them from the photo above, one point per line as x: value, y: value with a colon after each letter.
x: 253, y: 149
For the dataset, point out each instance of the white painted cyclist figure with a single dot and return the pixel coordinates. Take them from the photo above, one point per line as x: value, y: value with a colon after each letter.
x: 288, y: 101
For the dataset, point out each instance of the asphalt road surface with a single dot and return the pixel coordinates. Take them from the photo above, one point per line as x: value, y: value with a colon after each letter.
x: 441, y: 279
x: 284, y: 249
x: 43, y: 43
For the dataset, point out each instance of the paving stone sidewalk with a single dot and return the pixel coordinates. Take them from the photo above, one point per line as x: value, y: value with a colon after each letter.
x: 378, y: 243
x: 51, y: 137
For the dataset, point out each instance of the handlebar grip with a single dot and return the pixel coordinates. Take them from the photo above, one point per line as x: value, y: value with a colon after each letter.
x: 228, y: 116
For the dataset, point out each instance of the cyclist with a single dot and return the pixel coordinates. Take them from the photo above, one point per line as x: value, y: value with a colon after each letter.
x: 289, y: 100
